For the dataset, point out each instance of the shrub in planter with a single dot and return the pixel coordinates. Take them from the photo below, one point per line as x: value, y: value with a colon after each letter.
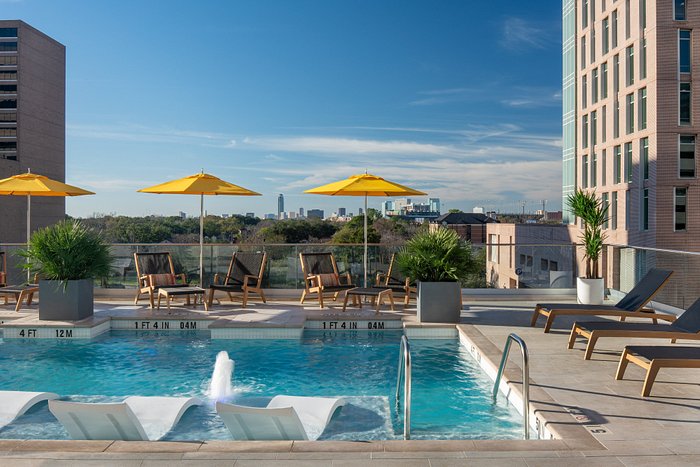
x: 439, y: 261
x: 68, y: 257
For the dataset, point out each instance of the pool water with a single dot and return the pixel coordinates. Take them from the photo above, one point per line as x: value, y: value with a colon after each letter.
x: 451, y: 395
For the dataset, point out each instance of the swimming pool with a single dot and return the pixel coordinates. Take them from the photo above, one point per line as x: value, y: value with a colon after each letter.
x: 451, y: 395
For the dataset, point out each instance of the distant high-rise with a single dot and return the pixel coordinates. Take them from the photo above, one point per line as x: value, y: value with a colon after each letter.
x: 314, y: 213
x: 301, y: 212
x: 280, y: 206
x: 341, y: 212
x: 360, y: 211
x: 32, y: 122
x: 250, y: 214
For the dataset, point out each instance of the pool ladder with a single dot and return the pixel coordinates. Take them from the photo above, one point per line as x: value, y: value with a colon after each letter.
x: 526, y: 378
x: 405, y: 371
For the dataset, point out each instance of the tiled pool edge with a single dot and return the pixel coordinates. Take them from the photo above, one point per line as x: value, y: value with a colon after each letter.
x: 548, y: 418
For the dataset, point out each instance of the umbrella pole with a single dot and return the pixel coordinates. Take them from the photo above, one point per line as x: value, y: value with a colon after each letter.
x: 365, y: 255
x: 201, y: 240
x: 29, y: 227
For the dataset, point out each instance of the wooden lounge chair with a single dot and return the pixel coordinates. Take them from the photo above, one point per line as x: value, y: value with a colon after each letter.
x: 155, y: 270
x: 398, y: 283
x: 21, y: 292
x: 321, y: 276
x: 686, y: 326
x: 652, y: 358
x: 245, y: 274
x: 631, y: 305
x: 3, y: 271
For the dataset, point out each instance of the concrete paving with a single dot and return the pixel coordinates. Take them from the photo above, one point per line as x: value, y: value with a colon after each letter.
x: 601, y: 421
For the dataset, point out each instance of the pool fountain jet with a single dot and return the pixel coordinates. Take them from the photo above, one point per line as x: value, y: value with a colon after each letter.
x: 220, y: 387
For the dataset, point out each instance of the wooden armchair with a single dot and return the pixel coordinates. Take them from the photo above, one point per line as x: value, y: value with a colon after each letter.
x: 245, y: 275
x: 153, y: 271
x: 321, y: 276
x: 3, y: 269
x: 398, y: 283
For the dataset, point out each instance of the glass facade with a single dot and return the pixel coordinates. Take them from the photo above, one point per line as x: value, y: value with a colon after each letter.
x: 568, y: 105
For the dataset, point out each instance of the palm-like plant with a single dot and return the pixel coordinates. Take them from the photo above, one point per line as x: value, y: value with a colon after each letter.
x: 440, y: 256
x: 594, y: 213
x: 68, y: 251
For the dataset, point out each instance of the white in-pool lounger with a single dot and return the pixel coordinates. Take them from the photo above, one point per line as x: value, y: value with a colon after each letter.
x: 15, y: 403
x: 136, y: 419
x: 284, y: 418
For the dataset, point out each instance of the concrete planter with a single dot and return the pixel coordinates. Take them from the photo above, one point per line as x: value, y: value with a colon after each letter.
x: 73, y: 303
x: 590, y: 291
x: 439, y: 302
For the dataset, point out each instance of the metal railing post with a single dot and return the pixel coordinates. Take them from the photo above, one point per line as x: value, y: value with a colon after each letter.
x: 405, y: 369
x: 526, y: 378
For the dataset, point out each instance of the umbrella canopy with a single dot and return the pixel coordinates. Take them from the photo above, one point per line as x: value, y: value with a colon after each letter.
x: 30, y: 184
x: 199, y: 184
x: 364, y: 185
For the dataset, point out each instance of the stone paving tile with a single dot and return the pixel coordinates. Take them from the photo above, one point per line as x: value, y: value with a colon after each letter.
x: 289, y: 463
x: 337, y: 446
x: 229, y: 455
x: 419, y: 455
x: 657, y: 461
x: 191, y: 463
x: 246, y: 446
x: 63, y: 445
x: 485, y: 462
x: 689, y: 446
x: 631, y: 448
x: 518, y: 445
x: 326, y: 455
x: 428, y: 445
x: 382, y: 463
x: 575, y: 462
x: 507, y: 454
x: 153, y: 446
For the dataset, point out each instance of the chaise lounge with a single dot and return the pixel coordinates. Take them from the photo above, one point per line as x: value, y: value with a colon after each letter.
x: 136, y: 419
x: 686, y: 326
x: 245, y: 275
x: 653, y: 358
x: 13, y: 404
x: 284, y: 418
x: 631, y: 305
x: 153, y: 271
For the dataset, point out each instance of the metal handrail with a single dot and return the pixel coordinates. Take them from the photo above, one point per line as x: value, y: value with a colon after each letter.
x: 405, y: 369
x: 526, y: 378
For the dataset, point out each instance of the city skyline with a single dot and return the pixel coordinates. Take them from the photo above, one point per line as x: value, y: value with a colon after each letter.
x: 462, y: 102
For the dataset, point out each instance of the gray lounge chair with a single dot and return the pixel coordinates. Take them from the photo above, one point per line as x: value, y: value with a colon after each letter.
x: 631, y: 305
x: 654, y: 357
x: 686, y: 326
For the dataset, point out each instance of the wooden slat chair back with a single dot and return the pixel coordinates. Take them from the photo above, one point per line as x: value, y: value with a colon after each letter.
x: 153, y: 271
x: 395, y: 280
x: 3, y: 269
x: 245, y: 275
x: 321, y: 276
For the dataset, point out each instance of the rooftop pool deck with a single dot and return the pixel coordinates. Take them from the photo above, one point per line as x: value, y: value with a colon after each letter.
x: 594, y: 419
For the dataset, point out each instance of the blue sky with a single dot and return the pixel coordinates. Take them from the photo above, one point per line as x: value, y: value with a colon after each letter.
x: 460, y: 99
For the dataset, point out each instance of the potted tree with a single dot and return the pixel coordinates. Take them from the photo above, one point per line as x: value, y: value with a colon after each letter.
x: 593, y: 213
x: 68, y: 257
x: 438, y: 261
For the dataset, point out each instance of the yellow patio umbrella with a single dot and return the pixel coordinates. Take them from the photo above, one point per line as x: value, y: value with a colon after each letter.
x: 30, y: 184
x: 199, y: 184
x: 364, y: 185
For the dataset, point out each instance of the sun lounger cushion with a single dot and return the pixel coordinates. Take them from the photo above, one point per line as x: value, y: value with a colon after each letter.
x: 284, y: 418
x: 135, y: 419
x: 15, y: 403
x: 670, y: 352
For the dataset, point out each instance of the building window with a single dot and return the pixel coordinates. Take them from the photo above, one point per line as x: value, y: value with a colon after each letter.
x: 8, y: 32
x: 8, y: 46
x: 603, y: 123
x: 684, y: 51
x: 592, y: 12
x: 583, y: 52
x: 584, y: 132
x: 643, y: 60
x: 8, y: 75
x: 8, y: 89
x: 594, y: 86
x: 642, y: 14
x: 627, y: 19
x: 628, y: 162
x: 594, y: 128
x: 617, y: 167
x: 614, y: 29
x: 8, y: 117
x: 606, y: 35
x: 679, y: 10
x: 8, y: 103
x: 592, y: 44
x: 584, y: 14
x: 686, y: 156
x: 680, y: 209
x: 616, y: 118
x: 594, y: 170
x: 630, y: 66
x: 643, y: 109
x: 645, y: 209
x: 584, y: 91
x: 8, y: 59
x: 604, y: 169
x: 604, y: 80
x: 629, y: 112
x: 606, y: 204
x: 8, y: 145
x: 644, y: 156
x: 616, y: 73
x: 613, y: 211
x: 628, y: 210
x: 584, y: 172
x: 8, y: 132
x: 684, y: 104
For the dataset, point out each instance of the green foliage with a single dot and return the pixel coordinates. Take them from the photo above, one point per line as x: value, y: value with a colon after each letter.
x: 593, y: 213
x: 354, y: 232
x: 439, y: 256
x: 66, y: 251
x: 455, y: 211
x: 295, y: 231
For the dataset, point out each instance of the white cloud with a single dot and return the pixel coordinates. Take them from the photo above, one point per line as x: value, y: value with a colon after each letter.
x: 519, y: 34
